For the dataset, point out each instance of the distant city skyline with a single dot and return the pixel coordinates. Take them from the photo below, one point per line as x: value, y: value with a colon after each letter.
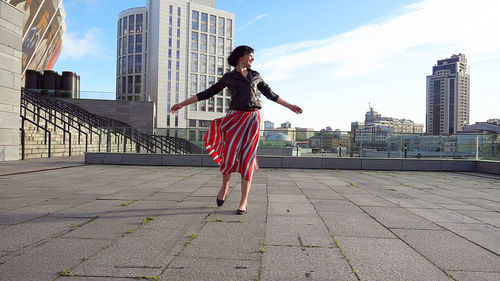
x: 379, y: 54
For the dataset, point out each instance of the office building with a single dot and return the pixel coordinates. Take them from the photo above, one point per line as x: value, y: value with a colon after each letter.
x: 448, y: 96
x: 171, y: 50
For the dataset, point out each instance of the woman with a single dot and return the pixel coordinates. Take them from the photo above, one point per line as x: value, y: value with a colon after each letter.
x: 232, y: 140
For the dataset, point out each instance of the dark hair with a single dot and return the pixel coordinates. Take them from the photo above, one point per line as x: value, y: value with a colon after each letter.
x: 237, y: 53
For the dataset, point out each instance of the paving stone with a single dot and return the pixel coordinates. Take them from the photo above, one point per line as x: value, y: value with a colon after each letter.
x: 388, y: 260
x: 183, y: 268
x: 163, y: 196
x: 475, y: 276
x: 227, y: 240
x: 286, y: 198
x: 15, y: 237
x: 297, y: 263
x: 394, y: 217
x: 321, y: 194
x: 142, y: 249
x: 29, y: 213
x: 298, y: 231
x: 449, y: 251
x: 335, y: 205
x: 412, y: 203
x: 484, y: 235
x: 368, y: 200
x: 440, y: 215
x: 16, y: 203
x: 292, y: 209
x: 354, y: 224
x: 91, y: 209
x: 44, y: 262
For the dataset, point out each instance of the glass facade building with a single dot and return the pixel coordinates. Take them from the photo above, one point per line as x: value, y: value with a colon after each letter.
x: 171, y: 50
x: 448, y: 96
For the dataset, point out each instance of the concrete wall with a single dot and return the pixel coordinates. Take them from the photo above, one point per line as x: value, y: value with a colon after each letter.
x: 11, y: 26
x: 138, y: 114
x: 200, y: 160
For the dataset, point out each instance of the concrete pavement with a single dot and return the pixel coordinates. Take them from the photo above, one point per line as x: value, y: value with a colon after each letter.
x: 65, y: 221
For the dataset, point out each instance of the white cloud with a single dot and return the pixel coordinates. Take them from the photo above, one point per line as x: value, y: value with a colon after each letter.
x: 252, y: 21
x: 386, y: 62
x: 77, y: 46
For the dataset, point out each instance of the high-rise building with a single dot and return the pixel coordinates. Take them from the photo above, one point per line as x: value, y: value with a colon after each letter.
x: 448, y: 96
x: 171, y: 50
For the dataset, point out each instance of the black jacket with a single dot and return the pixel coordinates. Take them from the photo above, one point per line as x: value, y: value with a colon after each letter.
x: 244, y: 91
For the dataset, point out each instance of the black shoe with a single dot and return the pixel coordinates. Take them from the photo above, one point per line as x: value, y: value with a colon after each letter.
x: 241, y: 212
x: 220, y: 202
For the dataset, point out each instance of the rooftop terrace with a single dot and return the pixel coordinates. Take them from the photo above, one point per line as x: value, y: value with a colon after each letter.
x: 61, y: 219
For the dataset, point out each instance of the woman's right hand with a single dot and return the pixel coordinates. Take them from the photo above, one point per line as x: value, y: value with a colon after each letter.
x: 176, y: 107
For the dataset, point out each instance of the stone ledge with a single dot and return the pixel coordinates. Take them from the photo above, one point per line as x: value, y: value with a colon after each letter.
x: 203, y: 160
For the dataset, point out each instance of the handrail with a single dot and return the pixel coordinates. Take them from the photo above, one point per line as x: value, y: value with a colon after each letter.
x: 38, y: 126
x: 54, y: 124
x: 88, y: 120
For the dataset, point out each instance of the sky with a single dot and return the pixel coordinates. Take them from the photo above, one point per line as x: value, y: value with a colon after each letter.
x: 333, y: 58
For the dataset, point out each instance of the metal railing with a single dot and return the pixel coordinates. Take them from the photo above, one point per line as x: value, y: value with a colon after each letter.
x: 50, y: 111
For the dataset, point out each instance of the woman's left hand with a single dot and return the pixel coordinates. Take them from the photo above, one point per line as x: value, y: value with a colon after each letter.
x: 295, y: 109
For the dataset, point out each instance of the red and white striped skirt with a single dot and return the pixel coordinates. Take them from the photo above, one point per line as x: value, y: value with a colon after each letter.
x: 232, y: 142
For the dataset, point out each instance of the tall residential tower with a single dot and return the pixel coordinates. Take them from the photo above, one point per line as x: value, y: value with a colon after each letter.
x: 169, y: 51
x: 448, y: 96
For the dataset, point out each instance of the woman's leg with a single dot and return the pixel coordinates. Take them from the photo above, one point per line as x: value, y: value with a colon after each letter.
x: 245, y: 189
x: 225, y: 187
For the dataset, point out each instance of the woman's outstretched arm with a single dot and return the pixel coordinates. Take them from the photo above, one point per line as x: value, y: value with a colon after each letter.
x: 178, y: 106
x: 290, y: 106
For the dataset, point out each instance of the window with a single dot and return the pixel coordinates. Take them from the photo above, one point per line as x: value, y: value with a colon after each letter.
x: 204, y: 22
x: 138, y: 64
x: 211, y: 80
x: 170, y: 20
x: 194, y: 20
x: 229, y: 28
x: 194, y: 41
x: 221, y: 26
x: 220, y: 104
x: 194, y: 62
x: 229, y: 46
x: 171, y: 9
x: 138, y: 84
x: 203, y: 83
x: 220, y: 66
x: 138, y: 43
x: 124, y: 65
x: 211, y: 103
x: 130, y: 83
x: 203, y: 43
x: 203, y: 105
x: 131, y: 24
x: 124, y: 84
x: 212, y: 44
x: 179, y: 11
x: 131, y: 44
x: 130, y: 65
x: 192, y: 123
x: 178, y: 33
x: 211, y: 65
x: 203, y: 63
x: 213, y: 24
x: 204, y: 123
x: 194, y: 83
x: 178, y: 43
x: 125, y: 25
x: 170, y: 42
x: 120, y: 27
x: 120, y: 47
x: 220, y: 46
x: 170, y: 31
x: 138, y: 27
x: 192, y: 135
x: 119, y: 66
x: 178, y: 22
x: 125, y: 45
